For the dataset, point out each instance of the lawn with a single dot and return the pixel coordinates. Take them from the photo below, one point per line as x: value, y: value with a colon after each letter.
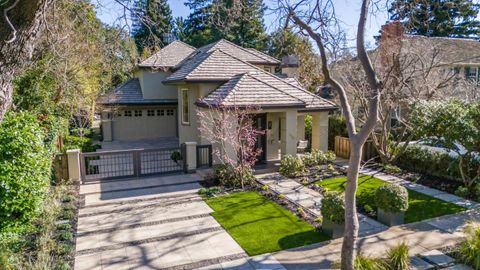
x: 421, y: 206
x: 260, y: 225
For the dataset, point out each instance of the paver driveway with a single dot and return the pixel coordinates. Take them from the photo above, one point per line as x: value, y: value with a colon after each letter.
x: 150, y: 223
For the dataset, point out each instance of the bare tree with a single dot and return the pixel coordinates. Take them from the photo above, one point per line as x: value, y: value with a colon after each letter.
x: 412, y: 69
x: 316, y: 21
x: 20, y: 27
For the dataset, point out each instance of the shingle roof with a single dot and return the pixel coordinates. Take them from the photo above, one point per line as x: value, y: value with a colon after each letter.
x: 210, y: 66
x: 169, y: 56
x: 451, y: 50
x: 249, y: 55
x: 260, y: 88
x: 130, y: 93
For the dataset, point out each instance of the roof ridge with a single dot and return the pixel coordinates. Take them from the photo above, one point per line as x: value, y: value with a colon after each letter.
x: 447, y: 38
x: 274, y: 87
x: 244, y: 49
x: 301, y: 89
x: 179, y: 41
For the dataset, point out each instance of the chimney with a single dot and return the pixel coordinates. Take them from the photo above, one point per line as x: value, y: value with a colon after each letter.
x: 290, y: 64
x: 391, y: 36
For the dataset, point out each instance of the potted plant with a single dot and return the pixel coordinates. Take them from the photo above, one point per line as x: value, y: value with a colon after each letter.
x: 176, y: 156
x: 333, y: 212
x: 392, y: 202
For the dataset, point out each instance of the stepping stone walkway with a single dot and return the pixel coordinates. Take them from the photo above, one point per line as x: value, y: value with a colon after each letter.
x: 310, y: 200
x: 435, y: 259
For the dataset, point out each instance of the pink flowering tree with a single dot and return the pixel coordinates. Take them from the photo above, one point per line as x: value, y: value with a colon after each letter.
x: 231, y: 130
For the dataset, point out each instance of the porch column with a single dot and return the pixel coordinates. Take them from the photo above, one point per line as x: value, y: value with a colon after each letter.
x: 291, y: 133
x: 320, y: 131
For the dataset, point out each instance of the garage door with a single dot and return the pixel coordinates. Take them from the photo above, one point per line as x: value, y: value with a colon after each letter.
x: 144, y: 124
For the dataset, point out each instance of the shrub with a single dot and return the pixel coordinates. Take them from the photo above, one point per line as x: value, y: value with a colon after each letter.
x: 336, y: 127
x: 468, y: 251
x: 228, y: 176
x: 462, y: 192
x: 392, y: 198
x: 209, y: 192
x: 398, y: 258
x: 333, y: 207
x: 24, y: 169
x: 363, y: 262
x: 291, y: 166
x: 76, y: 142
x: 317, y: 157
x: 389, y: 168
x: 176, y: 156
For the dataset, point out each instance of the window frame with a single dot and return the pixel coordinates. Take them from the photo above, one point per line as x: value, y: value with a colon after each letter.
x: 185, y: 116
x: 138, y: 113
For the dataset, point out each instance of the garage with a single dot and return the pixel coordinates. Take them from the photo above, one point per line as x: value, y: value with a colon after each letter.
x: 144, y: 123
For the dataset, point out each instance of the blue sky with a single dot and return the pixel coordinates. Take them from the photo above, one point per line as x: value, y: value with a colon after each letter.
x: 110, y: 12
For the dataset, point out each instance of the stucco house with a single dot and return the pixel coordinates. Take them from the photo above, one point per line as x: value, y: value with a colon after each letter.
x: 161, y: 100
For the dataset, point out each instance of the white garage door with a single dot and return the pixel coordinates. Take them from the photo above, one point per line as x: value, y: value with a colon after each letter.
x: 144, y: 124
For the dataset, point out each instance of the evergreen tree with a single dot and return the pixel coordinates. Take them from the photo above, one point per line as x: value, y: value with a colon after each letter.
x: 152, y: 24
x: 239, y: 21
x: 438, y: 18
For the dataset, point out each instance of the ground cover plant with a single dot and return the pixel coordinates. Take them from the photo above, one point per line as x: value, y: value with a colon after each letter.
x: 421, y: 206
x: 260, y: 225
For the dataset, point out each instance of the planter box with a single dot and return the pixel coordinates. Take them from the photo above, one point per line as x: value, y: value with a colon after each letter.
x: 333, y: 230
x: 390, y: 219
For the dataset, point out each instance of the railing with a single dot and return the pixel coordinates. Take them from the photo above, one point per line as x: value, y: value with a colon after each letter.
x: 130, y: 163
x: 204, y: 156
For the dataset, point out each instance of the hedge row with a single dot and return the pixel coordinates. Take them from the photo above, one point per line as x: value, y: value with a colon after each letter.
x: 421, y: 160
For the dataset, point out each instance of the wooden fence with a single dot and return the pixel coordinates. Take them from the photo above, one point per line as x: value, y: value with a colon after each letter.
x: 342, y: 149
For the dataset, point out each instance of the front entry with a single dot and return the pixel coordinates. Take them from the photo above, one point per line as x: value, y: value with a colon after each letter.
x: 260, y: 123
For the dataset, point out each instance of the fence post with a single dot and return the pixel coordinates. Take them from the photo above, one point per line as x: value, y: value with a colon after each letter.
x: 73, y: 158
x: 191, y: 156
x: 137, y: 163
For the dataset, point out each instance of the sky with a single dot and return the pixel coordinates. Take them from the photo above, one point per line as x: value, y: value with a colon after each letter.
x: 111, y: 12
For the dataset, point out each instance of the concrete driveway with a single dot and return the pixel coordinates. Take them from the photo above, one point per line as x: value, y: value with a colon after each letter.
x: 150, y: 223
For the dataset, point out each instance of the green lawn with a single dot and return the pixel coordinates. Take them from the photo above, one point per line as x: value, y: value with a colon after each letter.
x: 260, y: 225
x: 421, y: 206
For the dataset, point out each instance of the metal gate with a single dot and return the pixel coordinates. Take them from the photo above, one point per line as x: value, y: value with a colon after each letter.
x: 204, y: 156
x: 131, y: 163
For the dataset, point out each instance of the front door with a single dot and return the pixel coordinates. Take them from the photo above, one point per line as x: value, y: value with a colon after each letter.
x: 260, y: 123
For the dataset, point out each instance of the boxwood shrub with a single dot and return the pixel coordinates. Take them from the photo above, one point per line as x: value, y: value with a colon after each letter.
x: 291, y: 166
x: 228, y: 176
x: 317, y: 157
x: 24, y: 170
x: 333, y: 207
x: 392, y: 198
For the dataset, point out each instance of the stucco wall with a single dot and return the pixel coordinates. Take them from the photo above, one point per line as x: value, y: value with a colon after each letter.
x: 152, y: 86
x: 273, y: 140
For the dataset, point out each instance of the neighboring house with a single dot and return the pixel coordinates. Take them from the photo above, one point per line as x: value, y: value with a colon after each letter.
x: 168, y: 87
x: 413, y: 68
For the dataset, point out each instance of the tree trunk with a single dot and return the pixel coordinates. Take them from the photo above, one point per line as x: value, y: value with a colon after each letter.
x: 351, y: 219
x: 20, y: 26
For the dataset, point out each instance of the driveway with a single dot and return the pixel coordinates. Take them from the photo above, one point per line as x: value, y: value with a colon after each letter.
x: 150, y: 223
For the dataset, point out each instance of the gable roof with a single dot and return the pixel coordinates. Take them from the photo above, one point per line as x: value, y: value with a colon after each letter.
x: 169, y: 56
x: 130, y: 93
x: 249, y: 55
x: 265, y: 90
x: 210, y: 66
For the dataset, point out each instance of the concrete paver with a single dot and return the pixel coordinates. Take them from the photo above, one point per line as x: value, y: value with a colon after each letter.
x: 156, y: 227
x: 437, y: 258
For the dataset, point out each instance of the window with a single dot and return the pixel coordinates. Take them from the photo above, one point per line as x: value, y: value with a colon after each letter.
x: 170, y: 112
x: 160, y: 112
x: 138, y: 113
x: 472, y: 73
x: 185, y: 107
x: 267, y: 69
x: 150, y: 113
x: 127, y: 113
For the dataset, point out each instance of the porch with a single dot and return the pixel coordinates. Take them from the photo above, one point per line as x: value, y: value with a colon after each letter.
x: 285, y: 128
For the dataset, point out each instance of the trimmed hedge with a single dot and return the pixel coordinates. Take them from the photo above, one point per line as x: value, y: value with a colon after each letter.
x: 229, y: 177
x: 83, y: 143
x: 417, y: 159
x: 25, y: 171
x: 317, y: 157
x: 392, y: 198
x: 333, y: 207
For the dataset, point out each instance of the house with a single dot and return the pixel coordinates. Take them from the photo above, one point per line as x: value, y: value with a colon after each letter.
x: 413, y: 68
x: 161, y: 100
